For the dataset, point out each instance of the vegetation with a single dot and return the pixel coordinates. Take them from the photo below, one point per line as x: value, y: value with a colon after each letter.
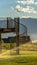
x: 7, y: 45
x: 24, y: 47
x: 29, y: 60
x: 29, y: 47
x: 27, y: 56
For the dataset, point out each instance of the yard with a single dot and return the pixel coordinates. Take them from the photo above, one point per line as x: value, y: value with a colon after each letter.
x: 19, y: 60
x: 27, y: 56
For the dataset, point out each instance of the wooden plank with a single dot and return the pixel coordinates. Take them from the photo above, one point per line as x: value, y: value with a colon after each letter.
x: 7, y: 30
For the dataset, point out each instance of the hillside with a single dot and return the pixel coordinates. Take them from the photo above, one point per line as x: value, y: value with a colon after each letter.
x: 31, y: 24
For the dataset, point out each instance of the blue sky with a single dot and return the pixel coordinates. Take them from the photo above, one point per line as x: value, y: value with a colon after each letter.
x: 12, y: 8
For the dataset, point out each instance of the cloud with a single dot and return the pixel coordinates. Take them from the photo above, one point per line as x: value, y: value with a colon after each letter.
x: 28, y: 9
x: 26, y: 17
x: 27, y: 2
x: 35, y: 3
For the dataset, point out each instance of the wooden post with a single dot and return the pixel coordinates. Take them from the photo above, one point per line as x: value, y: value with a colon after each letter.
x: 17, y: 34
x: 26, y: 34
x: 7, y: 22
x: 0, y: 44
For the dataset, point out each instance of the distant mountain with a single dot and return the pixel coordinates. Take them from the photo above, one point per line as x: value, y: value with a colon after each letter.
x: 31, y: 24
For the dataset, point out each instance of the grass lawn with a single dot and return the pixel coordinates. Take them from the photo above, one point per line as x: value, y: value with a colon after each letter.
x: 28, y: 56
x: 20, y: 60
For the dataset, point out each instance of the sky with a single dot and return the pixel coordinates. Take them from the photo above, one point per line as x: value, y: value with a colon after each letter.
x: 18, y: 8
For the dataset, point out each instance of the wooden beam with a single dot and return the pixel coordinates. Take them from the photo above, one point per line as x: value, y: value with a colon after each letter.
x: 7, y: 22
x: 7, y: 30
x: 17, y: 34
x: 0, y: 44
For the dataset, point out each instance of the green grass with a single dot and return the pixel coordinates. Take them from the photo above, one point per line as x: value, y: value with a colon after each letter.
x: 21, y: 60
x: 28, y: 47
x: 27, y: 58
x: 24, y: 47
x: 27, y: 55
x: 7, y: 45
